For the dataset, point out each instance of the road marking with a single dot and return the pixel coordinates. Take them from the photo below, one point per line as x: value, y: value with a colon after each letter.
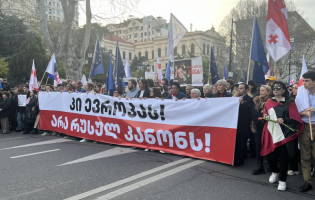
x: 126, y: 180
x: 149, y: 180
x: 35, y: 153
x: 40, y: 143
x: 104, y: 154
x: 12, y: 138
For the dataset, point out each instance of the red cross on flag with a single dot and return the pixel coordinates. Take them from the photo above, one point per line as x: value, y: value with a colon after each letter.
x: 277, y: 34
x: 33, y: 79
x: 159, y: 70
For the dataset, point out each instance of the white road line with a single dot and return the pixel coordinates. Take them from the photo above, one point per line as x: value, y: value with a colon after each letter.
x: 40, y: 143
x: 126, y: 180
x: 35, y: 153
x: 149, y: 180
x: 104, y: 154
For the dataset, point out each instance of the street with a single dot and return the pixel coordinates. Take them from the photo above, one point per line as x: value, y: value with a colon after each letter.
x: 39, y: 167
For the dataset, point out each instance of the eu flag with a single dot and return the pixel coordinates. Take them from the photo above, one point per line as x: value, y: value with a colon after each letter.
x: 110, y: 83
x: 213, y: 68
x: 224, y: 73
x: 119, y: 66
x: 168, y: 72
x: 97, y: 65
x: 258, y: 54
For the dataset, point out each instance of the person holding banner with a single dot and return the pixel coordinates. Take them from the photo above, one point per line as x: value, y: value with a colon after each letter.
x: 30, y: 113
x: 207, y: 91
x: 132, y: 89
x: 176, y: 94
x: 307, y: 144
x: 195, y: 94
x: 221, y: 85
x: 284, y: 124
x: 155, y: 93
x: 143, y: 92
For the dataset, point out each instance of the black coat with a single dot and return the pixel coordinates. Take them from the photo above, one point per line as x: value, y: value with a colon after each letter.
x: 244, y: 115
x: 5, y: 105
x: 259, y: 124
x: 30, y: 105
x: 225, y: 94
x: 145, y: 94
x: 208, y: 95
x: 13, y: 107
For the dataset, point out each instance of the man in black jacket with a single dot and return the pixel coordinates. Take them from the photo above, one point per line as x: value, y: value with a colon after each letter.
x: 5, y: 85
x: 243, y: 126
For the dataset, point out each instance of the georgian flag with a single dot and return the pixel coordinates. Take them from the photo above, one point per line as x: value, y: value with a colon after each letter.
x: 277, y: 34
x: 33, y: 79
x: 302, y: 101
x: 159, y: 70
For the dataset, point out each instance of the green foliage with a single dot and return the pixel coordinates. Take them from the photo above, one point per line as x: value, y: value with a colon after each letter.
x: 4, y: 69
x: 12, y: 34
x: 20, y: 65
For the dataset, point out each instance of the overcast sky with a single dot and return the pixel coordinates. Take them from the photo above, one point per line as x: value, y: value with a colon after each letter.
x: 201, y: 13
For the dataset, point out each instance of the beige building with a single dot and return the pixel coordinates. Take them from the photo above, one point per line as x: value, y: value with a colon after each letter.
x: 196, y: 43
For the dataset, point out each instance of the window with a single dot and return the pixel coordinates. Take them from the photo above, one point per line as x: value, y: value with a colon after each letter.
x: 148, y: 26
x: 152, y: 32
x: 141, y: 40
x: 141, y: 34
x: 204, y: 49
x: 130, y: 36
x: 136, y: 35
x: 50, y: 3
x: 165, y: 52
x: 53, y: 11
x: 57, y: 5
x: 141, y: 28
x: 58, y: 12
x: 145, y: 33
x: 175, y: 51
x: 183, y: 50
x: 147, y: 55
x: 49, y: 11
x: 129, y: 56
x: 153, y: 54
x: 136, y: 41
x: 208, y: 49
x: 145, y: 40
x: 192, y: 49
x: 124, y: 55
x: 153, y: 38
x: 139, y: 54
x: 159, y: 52
x: 148, y: 33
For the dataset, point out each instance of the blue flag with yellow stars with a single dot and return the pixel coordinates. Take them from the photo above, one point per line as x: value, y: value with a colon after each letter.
x: 258, y: 54
x: 97, y: 65
x: 110, y: 82
x: 213, y: 69
x: 120, y: 69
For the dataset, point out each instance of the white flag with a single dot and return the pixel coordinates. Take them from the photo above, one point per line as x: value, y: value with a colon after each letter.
x: 159, y: 70
x: 176, y: 32
x: 33, y: 80
x: 267, y: 75
x: 83, y: 80
x: 302, y: 101
x: 127, y: 69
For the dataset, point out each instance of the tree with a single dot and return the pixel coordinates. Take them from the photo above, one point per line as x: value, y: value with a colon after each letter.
x: 138, y: 66
x: 12, y: 34
x: 4, y: 69
x: 20, y: 65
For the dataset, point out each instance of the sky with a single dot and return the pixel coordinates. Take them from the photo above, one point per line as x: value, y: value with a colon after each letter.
x: 202, y: 14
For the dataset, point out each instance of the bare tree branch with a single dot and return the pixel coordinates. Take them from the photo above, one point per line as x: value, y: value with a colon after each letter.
x: 87, y: 29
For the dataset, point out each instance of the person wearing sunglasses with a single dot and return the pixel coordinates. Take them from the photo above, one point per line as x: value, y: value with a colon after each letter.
x: 277, y: 140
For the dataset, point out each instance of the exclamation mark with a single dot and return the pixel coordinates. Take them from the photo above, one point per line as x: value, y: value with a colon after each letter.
x: 207, y: 149
x: 162, y: 112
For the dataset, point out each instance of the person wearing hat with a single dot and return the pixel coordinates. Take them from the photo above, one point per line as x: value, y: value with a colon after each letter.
x: 270, y: 80
x: 5, y: 85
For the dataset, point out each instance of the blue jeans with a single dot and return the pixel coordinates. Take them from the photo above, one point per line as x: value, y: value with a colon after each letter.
x: 20, y: 120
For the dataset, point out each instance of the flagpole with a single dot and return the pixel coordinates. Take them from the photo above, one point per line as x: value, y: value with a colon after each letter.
x: 250, y: 52
x: 46, y: 81
x: 310, y: 123
x: 41, y: 80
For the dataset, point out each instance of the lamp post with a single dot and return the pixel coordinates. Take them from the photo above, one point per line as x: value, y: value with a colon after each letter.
x: 292, y: 41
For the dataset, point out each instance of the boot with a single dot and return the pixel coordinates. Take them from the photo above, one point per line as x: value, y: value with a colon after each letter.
x: 259, y: 170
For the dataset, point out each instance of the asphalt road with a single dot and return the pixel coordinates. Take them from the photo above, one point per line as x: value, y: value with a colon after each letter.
x: 50, y: 167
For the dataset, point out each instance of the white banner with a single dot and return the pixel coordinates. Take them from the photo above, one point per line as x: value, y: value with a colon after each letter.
x: 189, y: 71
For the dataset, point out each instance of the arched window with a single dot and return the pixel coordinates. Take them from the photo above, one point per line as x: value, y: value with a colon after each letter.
x: 139, y: 54
x: 192, y: 49
x: 208, y: 49
x: 165, y: 52
x: 159, y: 52
x: 204, y: 49
x: 183, y: 50
x: 153, y: 54
x: 175, y: 51
x: 147, y: 54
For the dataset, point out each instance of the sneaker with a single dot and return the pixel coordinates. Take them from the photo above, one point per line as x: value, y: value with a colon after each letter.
x: 291, y: 173
x: 282, y: 186
x: 83, y: 140
x: 95, y: 142
x: 312, y: 172
x: 65, y: 137
x: 162, y: 152
x: 147, y: 150
x: 54, y: 133
x: 273, y: 178
x: 45, y: 134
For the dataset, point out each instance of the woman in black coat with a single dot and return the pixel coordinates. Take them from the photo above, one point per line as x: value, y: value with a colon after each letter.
x: 30, y: 112
x: 143, y: 92
x: 5, y: 106
x: 257, y: 126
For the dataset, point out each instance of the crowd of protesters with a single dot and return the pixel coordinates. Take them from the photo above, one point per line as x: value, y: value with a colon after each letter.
x: 250, y: 138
